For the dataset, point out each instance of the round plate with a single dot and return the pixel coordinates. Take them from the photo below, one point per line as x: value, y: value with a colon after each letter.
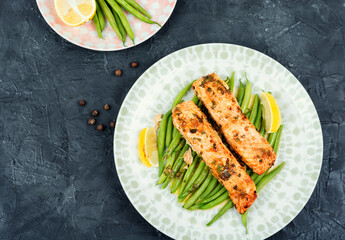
x: 86, y: 34
x: 301, y: 143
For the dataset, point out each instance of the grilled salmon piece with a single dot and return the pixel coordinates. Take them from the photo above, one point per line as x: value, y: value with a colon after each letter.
x: 203, y: 139
x: 239, y: 132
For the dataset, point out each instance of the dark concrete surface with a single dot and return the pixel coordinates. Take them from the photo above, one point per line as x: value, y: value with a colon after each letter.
x: 57, y: 175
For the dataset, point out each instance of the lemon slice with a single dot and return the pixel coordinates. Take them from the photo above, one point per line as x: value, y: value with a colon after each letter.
x: 141, y: 148
x: 147, y: 146
x: 75, y: 12
x: 271, y: 112
x: 151, y: 146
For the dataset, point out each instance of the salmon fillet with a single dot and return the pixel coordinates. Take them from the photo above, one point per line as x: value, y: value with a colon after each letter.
x: 205, y: 141
x: 239, y: 132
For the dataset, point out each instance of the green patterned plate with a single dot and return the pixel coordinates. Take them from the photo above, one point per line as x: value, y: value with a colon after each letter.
x: 301, y: 144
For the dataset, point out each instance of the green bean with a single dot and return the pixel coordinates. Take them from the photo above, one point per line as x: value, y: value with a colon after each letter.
x: 134, y: 4
x: 121, y: 28
x: 172, y: 176
x: 100, y: 16
x: 232, y: 82
x: 175, y: 141
x: 272, y: 138
x: 244, y: 218
x: 97, y: 25
x: 215, y: 196
x: 176, y: 167
x: 110, y: 18
x: 122, y: 17
x: 253, y: 176
x: 258, y: 117
x: 196, y: 184
x: 200, y: 179
x: 247, y: 95
x: 259, y: 127
x: 194, y: 207
x: 175, y: 131
x: 167, y: 169
x: 178, y: 179
x: 161, y: 140
x: 100, y: 19
x: 214, y: 191
x: 247, y: 114
x: 180, y: 145
x: 195, y: 99
x: 209, y: 188
x: 266, y: 136
x: 183, y: 92
x: 188, y: 174
x: 269, y: 177
x: 217, y: 201
x: 258, y: 179
x: 194, y: 177
x: 277, y: 142
x: 221, y: 212
x: 168, y: 136
x: 198, y: 192
x: 254, y: 109
x: 249, y: 171
x: 135, y: 13
x: 262, y: 128
x: 240, y: 94
x: 227, y: 80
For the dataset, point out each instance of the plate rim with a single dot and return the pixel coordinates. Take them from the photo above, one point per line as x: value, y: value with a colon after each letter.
x: 103, y: 49
x: 245, y: 48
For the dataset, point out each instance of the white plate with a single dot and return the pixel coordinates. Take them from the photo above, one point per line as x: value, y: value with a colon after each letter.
x: 86, y: 34
x: 301, y: 144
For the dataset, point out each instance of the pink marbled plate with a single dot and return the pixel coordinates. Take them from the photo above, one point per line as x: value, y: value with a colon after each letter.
x: 86, y: 35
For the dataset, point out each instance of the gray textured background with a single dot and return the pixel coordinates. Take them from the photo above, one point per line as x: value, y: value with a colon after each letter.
x: 57, y: 177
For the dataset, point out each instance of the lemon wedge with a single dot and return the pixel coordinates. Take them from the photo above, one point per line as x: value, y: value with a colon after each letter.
x: 151, y: 146
x: 75, y: 12
x: 147, y: 146
x: 271, y: 112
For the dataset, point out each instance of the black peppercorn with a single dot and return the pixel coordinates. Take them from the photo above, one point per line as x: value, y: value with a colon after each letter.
x: 134, y: 64
x: 100, y: 128
x: 94, y: 113
x: 91, y: 121
x: 118, y: 72
x: 82, y: 102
